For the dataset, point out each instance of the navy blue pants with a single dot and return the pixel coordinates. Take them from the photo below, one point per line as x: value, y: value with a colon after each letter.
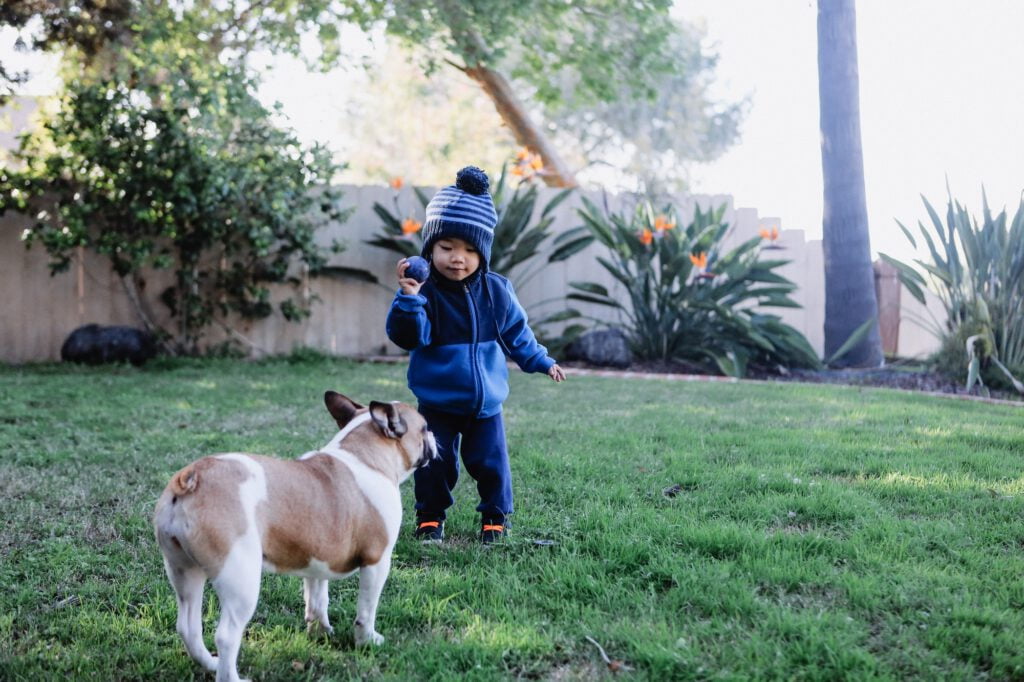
x: 481, y: 442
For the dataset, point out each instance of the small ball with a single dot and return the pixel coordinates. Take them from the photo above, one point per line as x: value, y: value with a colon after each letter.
x: 418, y: 268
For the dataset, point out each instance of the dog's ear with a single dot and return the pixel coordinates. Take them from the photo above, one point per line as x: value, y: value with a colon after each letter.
x: 341, y: 408
x: 387, y: 419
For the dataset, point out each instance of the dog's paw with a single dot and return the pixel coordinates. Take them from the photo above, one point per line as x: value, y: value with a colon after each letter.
x: 369, y: 639
x: 316, y: 628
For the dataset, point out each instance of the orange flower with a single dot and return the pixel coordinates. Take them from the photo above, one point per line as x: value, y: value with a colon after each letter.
x: 409, y: 226
x: 699, y: 260
x: 646, y: 237
x: 397, y: 182
x: 771, y: 234
x: 527, y: 164
x: 661, y: 223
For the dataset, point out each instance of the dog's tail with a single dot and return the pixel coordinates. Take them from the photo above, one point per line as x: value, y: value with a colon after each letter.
x: 170, y: 518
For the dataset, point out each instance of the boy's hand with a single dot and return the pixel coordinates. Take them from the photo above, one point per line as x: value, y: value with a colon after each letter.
x: 408, y: 284
x: 557, y: 373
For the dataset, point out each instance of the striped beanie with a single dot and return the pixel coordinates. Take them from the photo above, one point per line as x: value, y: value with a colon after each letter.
x: 462, y: 211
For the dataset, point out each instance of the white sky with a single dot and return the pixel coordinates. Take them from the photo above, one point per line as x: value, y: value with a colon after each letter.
x: 941, y: 95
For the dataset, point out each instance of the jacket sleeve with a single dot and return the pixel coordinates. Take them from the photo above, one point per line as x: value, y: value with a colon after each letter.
x: 408, y: 325
x: 518, y: 338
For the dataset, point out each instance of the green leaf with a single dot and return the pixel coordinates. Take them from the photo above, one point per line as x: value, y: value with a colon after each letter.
x: 908, y: 276
x: 343, y: 272
x: 858, y: 335
x: 590, y: 298
x: 590, y: 287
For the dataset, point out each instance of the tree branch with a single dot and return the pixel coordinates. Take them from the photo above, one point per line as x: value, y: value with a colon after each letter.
x: 145, y: 315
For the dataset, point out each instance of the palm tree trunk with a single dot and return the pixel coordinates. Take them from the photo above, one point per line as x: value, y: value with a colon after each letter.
x: 849, y: 278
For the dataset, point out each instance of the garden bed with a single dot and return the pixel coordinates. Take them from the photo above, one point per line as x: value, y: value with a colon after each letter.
x: 897, y: 376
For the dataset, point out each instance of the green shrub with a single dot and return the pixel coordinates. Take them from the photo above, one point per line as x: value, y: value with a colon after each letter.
x: 518, y: 238
x: 194, y: 178
x: 977, y: 271
x: 687, y: 300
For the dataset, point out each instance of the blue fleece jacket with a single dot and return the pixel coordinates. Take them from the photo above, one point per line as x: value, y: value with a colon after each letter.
x: 458, y: 334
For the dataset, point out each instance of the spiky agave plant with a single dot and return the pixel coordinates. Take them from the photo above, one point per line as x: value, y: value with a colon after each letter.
x: 977, y: 271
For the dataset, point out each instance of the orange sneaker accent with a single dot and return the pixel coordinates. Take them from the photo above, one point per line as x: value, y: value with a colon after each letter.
x: 488, y: 526
x: 429, y: 524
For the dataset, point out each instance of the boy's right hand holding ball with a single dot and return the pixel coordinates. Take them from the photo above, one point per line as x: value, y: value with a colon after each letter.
x: 411, y: 285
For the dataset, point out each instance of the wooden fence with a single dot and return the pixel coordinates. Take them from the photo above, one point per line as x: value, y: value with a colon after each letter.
x: 39, y: 311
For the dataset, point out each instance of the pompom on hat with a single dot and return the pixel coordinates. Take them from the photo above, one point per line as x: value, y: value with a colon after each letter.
x: 462, y: 211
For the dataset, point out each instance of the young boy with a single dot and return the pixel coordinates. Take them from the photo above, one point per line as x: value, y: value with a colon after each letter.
x: 459, y: 325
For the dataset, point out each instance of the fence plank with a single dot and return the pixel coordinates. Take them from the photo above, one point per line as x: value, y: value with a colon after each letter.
x: 39, y: 311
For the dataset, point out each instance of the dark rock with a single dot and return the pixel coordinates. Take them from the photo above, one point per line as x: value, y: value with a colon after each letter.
x: 602, y: 347
x: 94, y: 345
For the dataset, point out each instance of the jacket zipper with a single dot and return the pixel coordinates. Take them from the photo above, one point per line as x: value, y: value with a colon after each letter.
x: 474, y: 360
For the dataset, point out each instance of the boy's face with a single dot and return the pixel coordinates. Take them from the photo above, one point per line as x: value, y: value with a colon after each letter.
x: 455, y: 258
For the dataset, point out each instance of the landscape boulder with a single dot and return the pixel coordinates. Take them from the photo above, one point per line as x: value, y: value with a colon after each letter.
x: 601, y: 347
x: 94, y: 344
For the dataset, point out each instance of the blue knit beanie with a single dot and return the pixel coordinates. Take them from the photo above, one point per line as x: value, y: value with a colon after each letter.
x: 464, y: 211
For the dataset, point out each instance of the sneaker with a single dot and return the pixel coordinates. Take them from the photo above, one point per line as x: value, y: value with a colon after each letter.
x: 492, y: 530
x: 429, y: 530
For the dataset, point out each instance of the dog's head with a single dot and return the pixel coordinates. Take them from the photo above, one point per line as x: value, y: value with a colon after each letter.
x: 396, y: 423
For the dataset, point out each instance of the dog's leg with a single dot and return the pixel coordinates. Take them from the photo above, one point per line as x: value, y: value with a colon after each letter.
x: 371, y: 582
x: 238, y: 590
x: 188, y: 589
x: 314, y: 591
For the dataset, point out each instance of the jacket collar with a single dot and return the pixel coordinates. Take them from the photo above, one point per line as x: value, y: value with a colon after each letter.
x: 442, y: 282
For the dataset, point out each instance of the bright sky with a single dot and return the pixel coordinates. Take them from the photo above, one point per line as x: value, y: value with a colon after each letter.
x: 941, y: 95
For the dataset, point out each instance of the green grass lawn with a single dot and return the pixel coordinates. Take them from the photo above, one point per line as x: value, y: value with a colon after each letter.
x: 816, y: 532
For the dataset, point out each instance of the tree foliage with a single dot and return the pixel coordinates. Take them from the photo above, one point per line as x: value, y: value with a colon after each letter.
x: 401, y: 123
x: 608, y: 75
x: 596, y: 82
x: 88, y: 26
x: 162, y: 159
x: 650, y: 140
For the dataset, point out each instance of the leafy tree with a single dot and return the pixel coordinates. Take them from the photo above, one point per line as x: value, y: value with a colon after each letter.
x: 851, y: 308
x: 564, y: 55
x: 88, y: 26
x: 401, y: 123
x: 651, y: 138
x: 565, y: 61
x: 195, y: 180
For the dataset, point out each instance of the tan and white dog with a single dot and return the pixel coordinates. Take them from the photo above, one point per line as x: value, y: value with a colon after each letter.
x: 328, y: 514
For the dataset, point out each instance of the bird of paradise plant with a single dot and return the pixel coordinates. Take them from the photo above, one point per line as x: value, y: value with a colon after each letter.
x: 519, y: 237
x: 686, y: 299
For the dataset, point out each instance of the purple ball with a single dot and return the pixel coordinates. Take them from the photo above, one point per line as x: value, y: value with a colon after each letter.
x: 418, y: 268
